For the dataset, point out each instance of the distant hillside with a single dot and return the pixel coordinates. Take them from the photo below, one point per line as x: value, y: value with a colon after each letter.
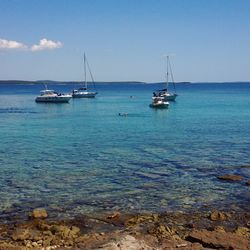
x: 21, y: 82
x: 16, y: 82
x: 62, y: 82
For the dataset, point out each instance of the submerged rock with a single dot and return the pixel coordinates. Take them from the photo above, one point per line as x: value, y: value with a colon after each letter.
x: 230, y: 177
x: 248, y: 183
x: 216, y: 215
x: 115, y: 215
x: 20, y: 234
x: 39, y: 213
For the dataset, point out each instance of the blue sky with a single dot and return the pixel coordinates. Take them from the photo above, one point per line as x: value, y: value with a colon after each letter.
x: 209, y: 40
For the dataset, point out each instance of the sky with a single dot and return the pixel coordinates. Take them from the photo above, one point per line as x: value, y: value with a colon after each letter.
x: 207, y: 40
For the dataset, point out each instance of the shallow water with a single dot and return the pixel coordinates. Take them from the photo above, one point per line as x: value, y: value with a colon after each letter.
x: 83, y: 157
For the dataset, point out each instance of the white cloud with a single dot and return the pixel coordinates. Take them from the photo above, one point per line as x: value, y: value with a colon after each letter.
x: 46, y: 44
x: 7, y: 44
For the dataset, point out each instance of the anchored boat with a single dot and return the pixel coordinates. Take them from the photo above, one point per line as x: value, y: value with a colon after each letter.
x: 83, y: 92
x: 159, y: 102
x: 165, y: 93
x: 52, y: 97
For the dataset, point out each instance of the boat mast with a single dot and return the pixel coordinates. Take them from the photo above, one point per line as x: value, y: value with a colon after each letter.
x: 91, y: 75
x: 167, y: 73
x: 85, y: 75
x: 172, y: 76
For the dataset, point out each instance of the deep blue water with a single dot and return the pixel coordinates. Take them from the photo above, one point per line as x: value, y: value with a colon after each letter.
x: 82, y: 157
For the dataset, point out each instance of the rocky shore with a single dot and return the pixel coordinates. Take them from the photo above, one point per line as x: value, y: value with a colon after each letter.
x: 116, y: 231
x: 211, y: 229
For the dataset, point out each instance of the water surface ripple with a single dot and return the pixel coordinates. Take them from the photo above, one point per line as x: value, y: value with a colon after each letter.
x: 82, y: 157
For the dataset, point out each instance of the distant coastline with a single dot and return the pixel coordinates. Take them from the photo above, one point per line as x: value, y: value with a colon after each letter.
x: 22, y: 82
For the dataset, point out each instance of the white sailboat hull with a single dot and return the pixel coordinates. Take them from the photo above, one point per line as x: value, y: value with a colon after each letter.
x: 84, y: 94
x: 169, y: 96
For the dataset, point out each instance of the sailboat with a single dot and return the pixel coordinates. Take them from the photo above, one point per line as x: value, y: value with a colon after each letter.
x: 83, y: 92
x: 165, y: 93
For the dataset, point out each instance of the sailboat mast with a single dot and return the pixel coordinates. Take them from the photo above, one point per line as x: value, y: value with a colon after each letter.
x: 167, y: 72
x: 85, y: 74
x: 172, y: 76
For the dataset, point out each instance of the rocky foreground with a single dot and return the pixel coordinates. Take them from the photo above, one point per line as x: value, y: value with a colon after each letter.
x: 115, y: 231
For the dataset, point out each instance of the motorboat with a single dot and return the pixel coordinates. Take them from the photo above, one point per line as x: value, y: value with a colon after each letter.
x: 159, y: 102
x: 52, y: 97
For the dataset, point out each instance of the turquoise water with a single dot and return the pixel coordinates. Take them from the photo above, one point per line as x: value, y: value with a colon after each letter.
x: 82, y: 157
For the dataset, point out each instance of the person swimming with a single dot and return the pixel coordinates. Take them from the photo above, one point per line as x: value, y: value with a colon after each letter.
x: 123, y: 114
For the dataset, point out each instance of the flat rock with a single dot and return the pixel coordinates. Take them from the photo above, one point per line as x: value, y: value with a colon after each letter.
x: 220, y: 240
x: 128, y: 242
x: 230, y: 177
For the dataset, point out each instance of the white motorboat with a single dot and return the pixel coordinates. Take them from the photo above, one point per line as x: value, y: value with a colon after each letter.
x: 159, y: 102
x: 165, y: 93
x: 53, y: 97
x: 83, y: 92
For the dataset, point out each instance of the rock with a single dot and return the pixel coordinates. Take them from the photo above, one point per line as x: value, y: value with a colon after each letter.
x: 219, y: 240
x: 216, y: 215
x: 28, y: 244
x: 248, y: 182
x: 243, y: 231
x: 47, y: 241
x: 181, y: 245
x: 47, y: 233
x: 141, y: 219
x: 127, y: 242
x: 39, y: 213
x: 115, y: 215
x: 35, y: 244
x: 230, y: 177
x: 248, y: 224
x: 75, y: 230
x: 20, y: 234
x: 43, y: 226
x: 160, y: 230
x: 60, y: 230
x: 65, y: 232
x: 219, y: 229
x: 9, y: 246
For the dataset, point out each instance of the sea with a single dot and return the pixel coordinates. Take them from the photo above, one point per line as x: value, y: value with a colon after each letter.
x: 82, y: 157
